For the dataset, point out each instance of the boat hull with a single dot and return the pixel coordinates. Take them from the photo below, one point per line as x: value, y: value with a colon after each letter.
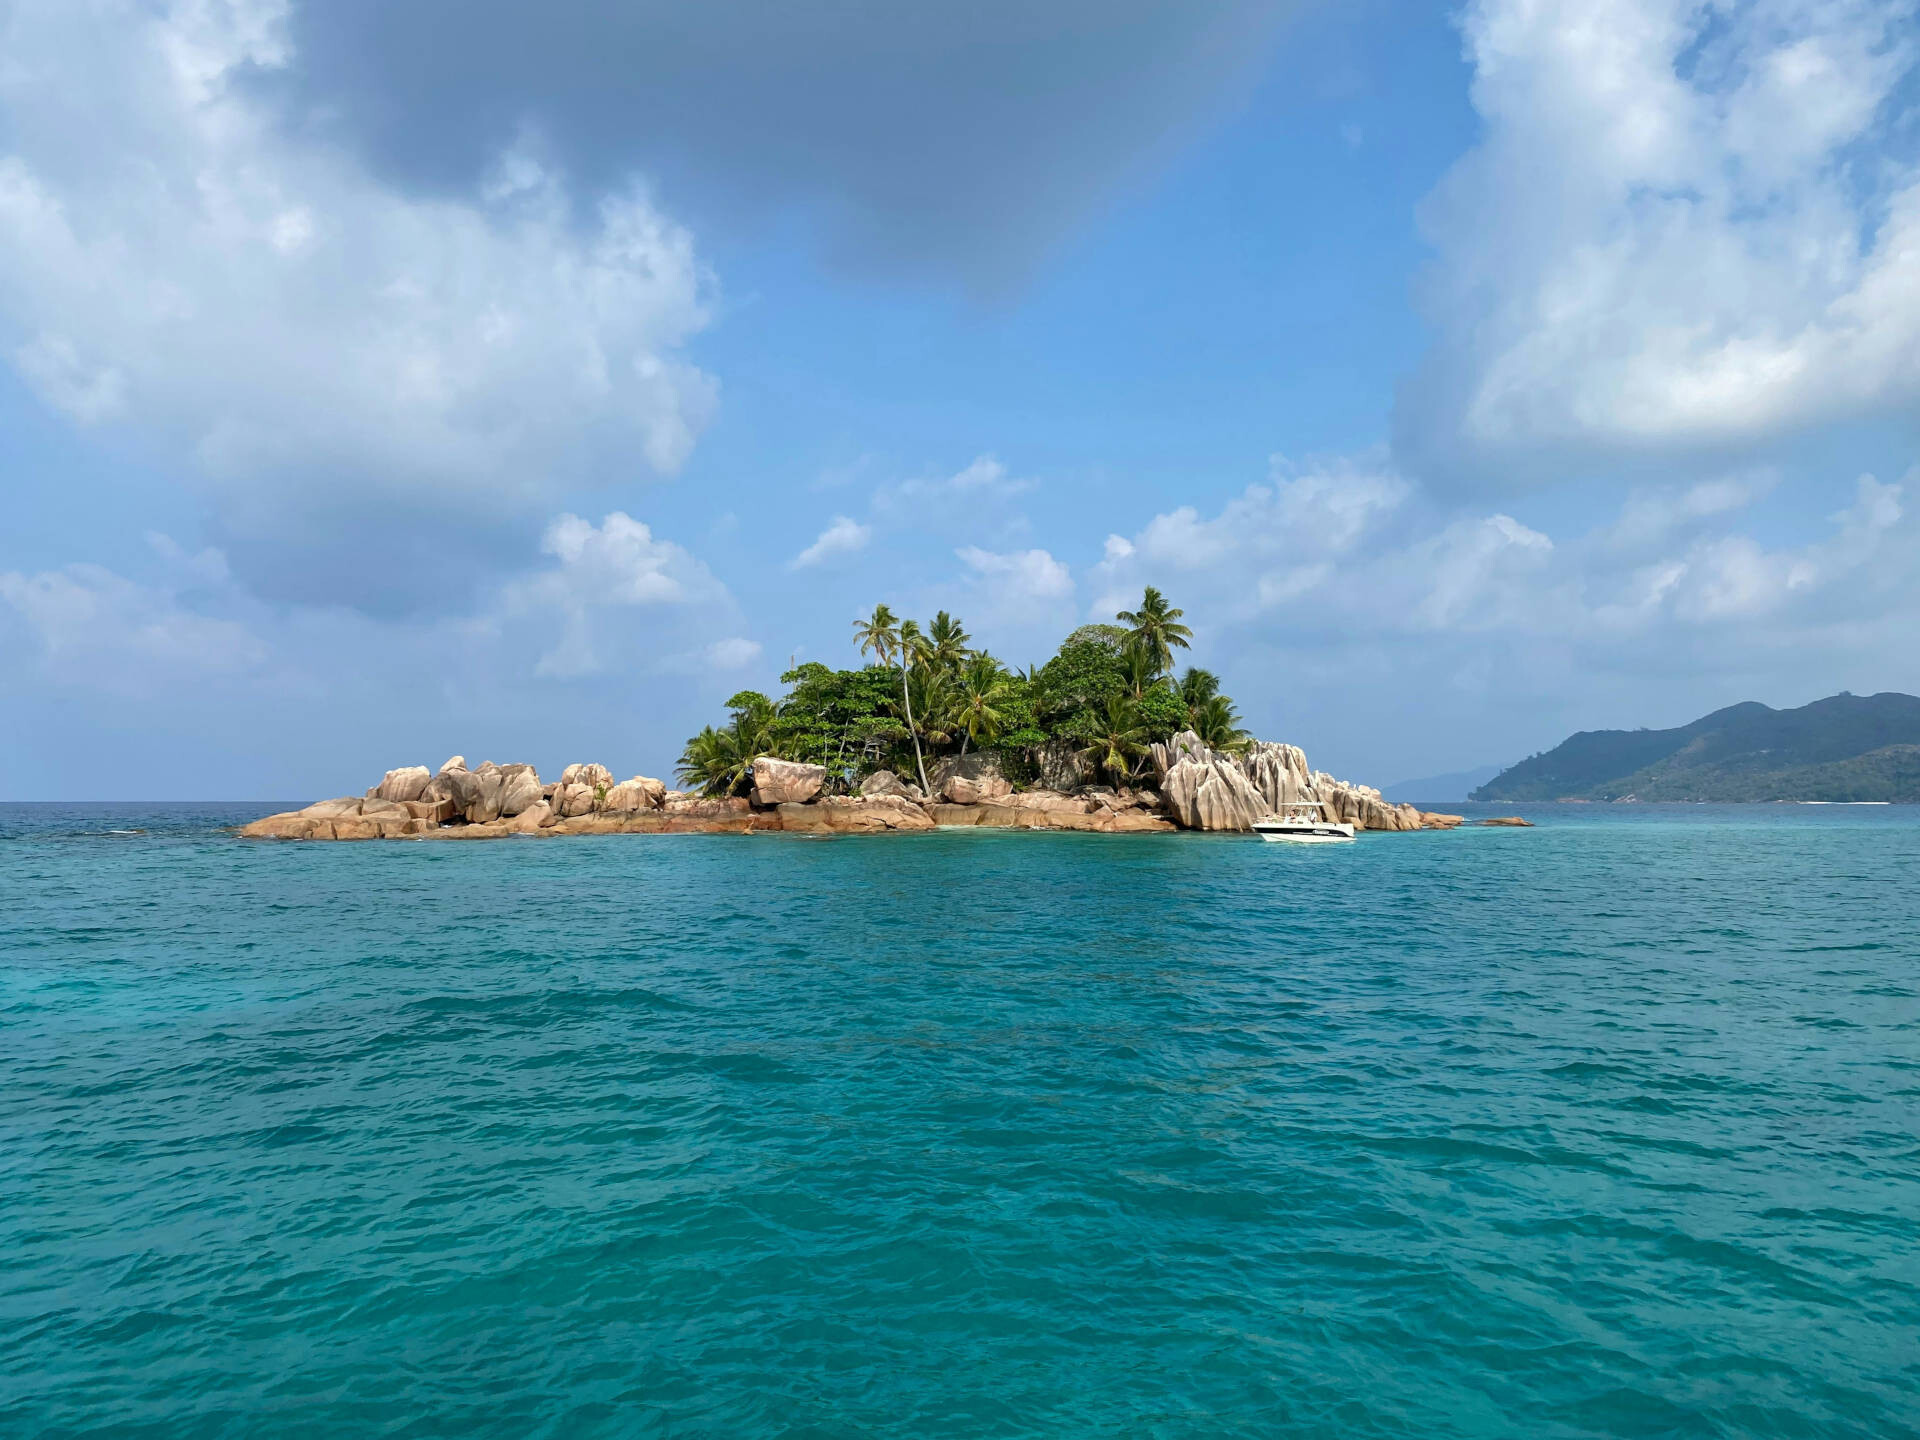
x: 1324, y: 835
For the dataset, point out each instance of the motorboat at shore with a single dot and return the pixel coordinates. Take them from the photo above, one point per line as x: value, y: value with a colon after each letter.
x: 1303, y: 822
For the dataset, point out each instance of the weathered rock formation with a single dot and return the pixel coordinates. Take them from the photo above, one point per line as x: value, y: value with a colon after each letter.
x: 970, y: 790
x: 402, y: 785
x: 1198, y: 789
x: 1208, y: 790
x: 885, y: 782
x: 786, y: 782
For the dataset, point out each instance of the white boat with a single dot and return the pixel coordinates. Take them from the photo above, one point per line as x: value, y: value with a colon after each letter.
x: 1302, y: 822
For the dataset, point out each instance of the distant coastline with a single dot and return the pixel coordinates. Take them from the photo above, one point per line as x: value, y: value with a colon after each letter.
x: 1843, y: 750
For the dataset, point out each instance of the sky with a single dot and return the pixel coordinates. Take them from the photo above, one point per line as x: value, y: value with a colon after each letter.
x: 380, y: 382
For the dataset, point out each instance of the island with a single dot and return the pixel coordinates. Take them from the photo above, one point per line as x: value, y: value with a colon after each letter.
x: 1845, y: 749
x: 932, y: 733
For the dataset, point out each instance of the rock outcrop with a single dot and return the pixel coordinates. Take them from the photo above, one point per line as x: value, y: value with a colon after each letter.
x: 1204, y: 790
x: 632, y: 796
x: 1198, y: 789
x: 1212, y: 793
x: 974, y: 790
x: 885, y: 782
x: 403, y: 785
x: 786, y: 782
x: 594, y: 777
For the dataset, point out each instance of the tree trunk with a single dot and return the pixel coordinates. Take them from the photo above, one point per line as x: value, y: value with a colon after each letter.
x: 913, y: 732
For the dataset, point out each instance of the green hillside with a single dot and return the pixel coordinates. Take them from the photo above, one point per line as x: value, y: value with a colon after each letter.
x: 1846, y: 747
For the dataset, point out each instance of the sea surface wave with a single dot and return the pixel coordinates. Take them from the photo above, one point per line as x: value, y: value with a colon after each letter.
x: 1609, y: 1127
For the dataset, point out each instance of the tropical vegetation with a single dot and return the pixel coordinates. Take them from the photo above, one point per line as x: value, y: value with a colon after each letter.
x: 928, y: 694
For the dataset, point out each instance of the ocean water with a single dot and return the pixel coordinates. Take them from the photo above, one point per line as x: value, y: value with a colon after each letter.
x: 1604, y: 1128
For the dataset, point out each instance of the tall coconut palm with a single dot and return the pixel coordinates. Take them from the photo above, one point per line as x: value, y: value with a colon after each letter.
x: 944, y: 647
x: 1218, y: 725
x: 887, y: 639
x: 1155, y: 629
x: 982, y: 693
x: 1197, y: 686
x: 1119, y: 740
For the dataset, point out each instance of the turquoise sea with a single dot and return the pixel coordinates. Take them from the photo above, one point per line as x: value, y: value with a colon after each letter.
x: 1606, y: 1128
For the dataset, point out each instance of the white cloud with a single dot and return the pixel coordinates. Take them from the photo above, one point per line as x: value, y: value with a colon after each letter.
x: 976, y: 493
x: 1685, y: 226
x: 320, y: 345
x: 842, y: 537
x: 1023, y: 575
x: 1275, y: 541
x: 733, y: 653
x: 1270, y: 562
x: 1012, y: 597
x: 605, y: 572
x: 85, y: 623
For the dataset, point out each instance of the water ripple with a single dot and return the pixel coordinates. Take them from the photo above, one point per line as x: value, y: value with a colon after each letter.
x: 1604, y: 1129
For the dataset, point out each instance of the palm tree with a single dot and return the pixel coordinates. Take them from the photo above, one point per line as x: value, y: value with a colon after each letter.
x: 983, y: 689
x: 720, y: 762
x: 1155, y: 628
x: 1197, y: 687
x: 932, y: 697
x: 945, y: 645
x: 886, y: 638
x: 1218, y: 725
x: 1141, y: 670
x: 1120, y: 739
x: 708, y: 761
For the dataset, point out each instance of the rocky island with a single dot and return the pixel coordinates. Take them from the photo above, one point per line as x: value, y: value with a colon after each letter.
x: 1101, y: 738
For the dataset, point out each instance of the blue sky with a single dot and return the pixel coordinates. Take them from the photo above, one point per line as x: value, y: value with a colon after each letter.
x: 382, y: 382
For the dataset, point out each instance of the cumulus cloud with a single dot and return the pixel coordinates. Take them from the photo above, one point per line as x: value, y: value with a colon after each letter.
x: 1276, y: 541
x: 733, y: 653
x: 1016, y: 595
x: 86, y: 624
x: 1686, y: 228
x: 842, y: 537
x: 1671, y: 566
x: 318, y: 346
x: 1023, y: 575
x: 1440, y: 637
x: 603, y: 575
x: 977, y: 496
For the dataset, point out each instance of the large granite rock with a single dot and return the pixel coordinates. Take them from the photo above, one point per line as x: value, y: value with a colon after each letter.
x: 785, y: 782
x: 885, y: 782
x: 1062, y: 765
x: 1278, y: 772
x: 407, y: 784
x: 572, y: 800
x: 866, y: 814
x: 591, y: 776
x: 974, y: 789
x: 1212, y: 794
x: 632, y: 796
x: 981, y: 767
x: 493, y: 792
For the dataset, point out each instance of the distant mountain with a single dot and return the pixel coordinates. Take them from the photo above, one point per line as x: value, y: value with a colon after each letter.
x: 1846, y: 747
x: 1454, y: 785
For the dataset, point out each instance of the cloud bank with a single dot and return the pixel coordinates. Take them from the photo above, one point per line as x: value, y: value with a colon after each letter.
x: 315, y: 346
x: 1688, y: 229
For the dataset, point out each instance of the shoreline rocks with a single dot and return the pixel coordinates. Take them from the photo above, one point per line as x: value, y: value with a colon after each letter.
x: 1192, y: 787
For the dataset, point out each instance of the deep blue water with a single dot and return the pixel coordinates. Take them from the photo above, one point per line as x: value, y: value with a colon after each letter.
x: 1602, y: 1128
